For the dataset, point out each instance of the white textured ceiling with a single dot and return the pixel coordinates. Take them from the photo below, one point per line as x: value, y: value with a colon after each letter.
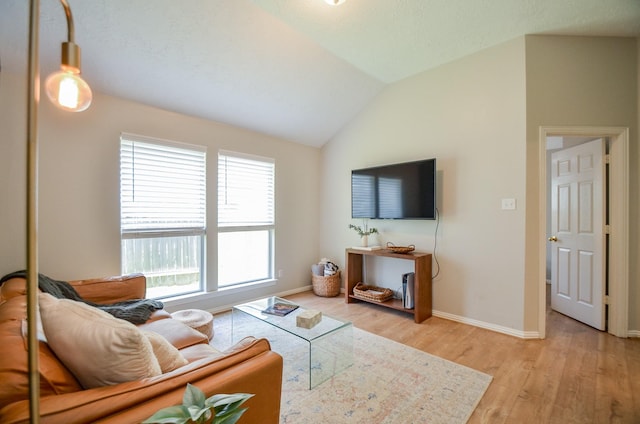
x: 295, y: 69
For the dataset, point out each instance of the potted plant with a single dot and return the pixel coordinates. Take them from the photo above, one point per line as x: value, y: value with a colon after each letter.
x: 195, y: 409
x: 364, y: 232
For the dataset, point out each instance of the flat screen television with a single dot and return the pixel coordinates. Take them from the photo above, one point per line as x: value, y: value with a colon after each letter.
x: 398, y: 191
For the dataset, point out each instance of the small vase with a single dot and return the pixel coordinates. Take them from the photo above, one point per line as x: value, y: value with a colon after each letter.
x: 365, y: 241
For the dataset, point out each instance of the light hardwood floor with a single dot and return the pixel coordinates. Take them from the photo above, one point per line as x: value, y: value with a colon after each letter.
x: 576, y: 375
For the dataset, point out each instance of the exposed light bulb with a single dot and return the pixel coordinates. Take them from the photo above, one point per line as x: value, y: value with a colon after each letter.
x: 68, y: 91
x: 334, y: 2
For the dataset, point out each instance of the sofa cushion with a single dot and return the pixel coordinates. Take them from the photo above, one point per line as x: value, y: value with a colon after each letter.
x: 98, y: 348
x: 12, y: 288
x: 55, y: 378
x: 167, y: 355
x: 111, y: 289
x: 200, y: 351
x: 177, y: 333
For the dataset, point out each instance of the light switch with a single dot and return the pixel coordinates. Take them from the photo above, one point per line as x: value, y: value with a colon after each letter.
x: 508, y: 204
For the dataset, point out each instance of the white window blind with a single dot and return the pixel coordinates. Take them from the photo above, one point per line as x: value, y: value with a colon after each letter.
x: 162, y: 185
x: 245, y: 190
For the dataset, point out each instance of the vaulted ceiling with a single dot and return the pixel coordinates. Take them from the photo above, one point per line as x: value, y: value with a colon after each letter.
x: 295, y: 69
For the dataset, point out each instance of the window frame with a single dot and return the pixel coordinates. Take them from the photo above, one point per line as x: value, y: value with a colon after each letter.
x: 270, y: 227
x: 167, y: 232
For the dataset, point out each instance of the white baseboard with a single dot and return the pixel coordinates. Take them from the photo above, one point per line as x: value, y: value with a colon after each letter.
x: 452, y: 317
x: 488, y: 326
x: 468, y: 321
x: 205, y: 300
x: 504, y: 330
x: 445, y: 315
x: 296, y: 290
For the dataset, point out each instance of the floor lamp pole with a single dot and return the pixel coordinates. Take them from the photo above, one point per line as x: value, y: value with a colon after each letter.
x: 32, y: 209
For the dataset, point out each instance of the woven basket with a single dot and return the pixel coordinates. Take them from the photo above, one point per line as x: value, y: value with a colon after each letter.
x: 400, y: 249
x: 372, y: 293
x: 326, y: 286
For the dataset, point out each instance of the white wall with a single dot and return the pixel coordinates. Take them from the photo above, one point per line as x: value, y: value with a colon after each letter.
x: 581, y: 81
x: 470, y: 116
x: 79, y: 233
x: 13, y: 124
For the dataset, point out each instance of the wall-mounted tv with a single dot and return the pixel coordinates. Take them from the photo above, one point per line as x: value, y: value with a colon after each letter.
x: 398, y: 191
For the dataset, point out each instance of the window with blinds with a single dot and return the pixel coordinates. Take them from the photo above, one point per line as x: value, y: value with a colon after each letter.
x: 246, y: 218
x: 163, y: 213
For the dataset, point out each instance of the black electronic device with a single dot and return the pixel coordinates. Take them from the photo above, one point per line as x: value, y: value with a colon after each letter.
x: 398, y: 191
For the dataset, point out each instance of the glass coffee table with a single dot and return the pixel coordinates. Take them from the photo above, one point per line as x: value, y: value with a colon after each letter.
x: 315, y: 354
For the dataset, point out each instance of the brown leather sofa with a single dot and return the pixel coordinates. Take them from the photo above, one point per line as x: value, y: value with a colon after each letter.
x: 247, y: 367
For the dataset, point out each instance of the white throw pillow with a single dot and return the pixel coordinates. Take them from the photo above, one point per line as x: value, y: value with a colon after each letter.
x: 168, y: 356
x: 96, y: 347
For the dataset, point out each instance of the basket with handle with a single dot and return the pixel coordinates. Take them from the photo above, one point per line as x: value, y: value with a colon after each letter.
x: 326, y: 286
x: 372, y: 293
x: 400, y: 249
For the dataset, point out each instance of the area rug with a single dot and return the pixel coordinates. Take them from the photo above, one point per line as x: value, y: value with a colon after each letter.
x: 388, y: 383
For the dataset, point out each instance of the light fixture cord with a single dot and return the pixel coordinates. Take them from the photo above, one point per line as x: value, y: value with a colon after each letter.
x: 71, y: 33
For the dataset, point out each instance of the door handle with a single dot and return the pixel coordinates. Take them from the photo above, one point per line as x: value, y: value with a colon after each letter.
x: 553, y: 238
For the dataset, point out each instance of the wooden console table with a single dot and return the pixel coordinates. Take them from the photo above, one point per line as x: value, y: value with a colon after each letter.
x: 422, y: 281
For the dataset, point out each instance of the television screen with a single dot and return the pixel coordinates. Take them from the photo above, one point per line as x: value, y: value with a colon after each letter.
x: 398, y: 191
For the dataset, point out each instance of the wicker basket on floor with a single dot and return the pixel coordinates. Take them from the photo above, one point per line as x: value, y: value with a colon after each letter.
x: 372, y: 293
x: 326, y: 286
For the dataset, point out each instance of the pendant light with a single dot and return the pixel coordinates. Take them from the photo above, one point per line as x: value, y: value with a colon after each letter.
x: 65, y: 88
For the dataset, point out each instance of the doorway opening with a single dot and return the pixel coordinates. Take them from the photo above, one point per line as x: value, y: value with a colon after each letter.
x: 618, y: 193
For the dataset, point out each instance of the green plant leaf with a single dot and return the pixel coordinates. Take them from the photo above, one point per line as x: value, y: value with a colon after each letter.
x: 365, y: 232
x: 173, y: 414
x: 222, y: 403
x: 226, y: 407
x: 229, y: 418
x: 224, y: 399
x: 193, y: 397
x: 198, y: 414
x: 196, y: 409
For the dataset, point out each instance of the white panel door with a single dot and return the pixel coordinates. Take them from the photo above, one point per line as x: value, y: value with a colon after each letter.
x: 577, y: 238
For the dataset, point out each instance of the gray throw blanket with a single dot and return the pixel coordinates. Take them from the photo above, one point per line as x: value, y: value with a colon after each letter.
x: 135, y: 311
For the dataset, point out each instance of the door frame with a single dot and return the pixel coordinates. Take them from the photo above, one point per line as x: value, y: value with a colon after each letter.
x: 618, y: 189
